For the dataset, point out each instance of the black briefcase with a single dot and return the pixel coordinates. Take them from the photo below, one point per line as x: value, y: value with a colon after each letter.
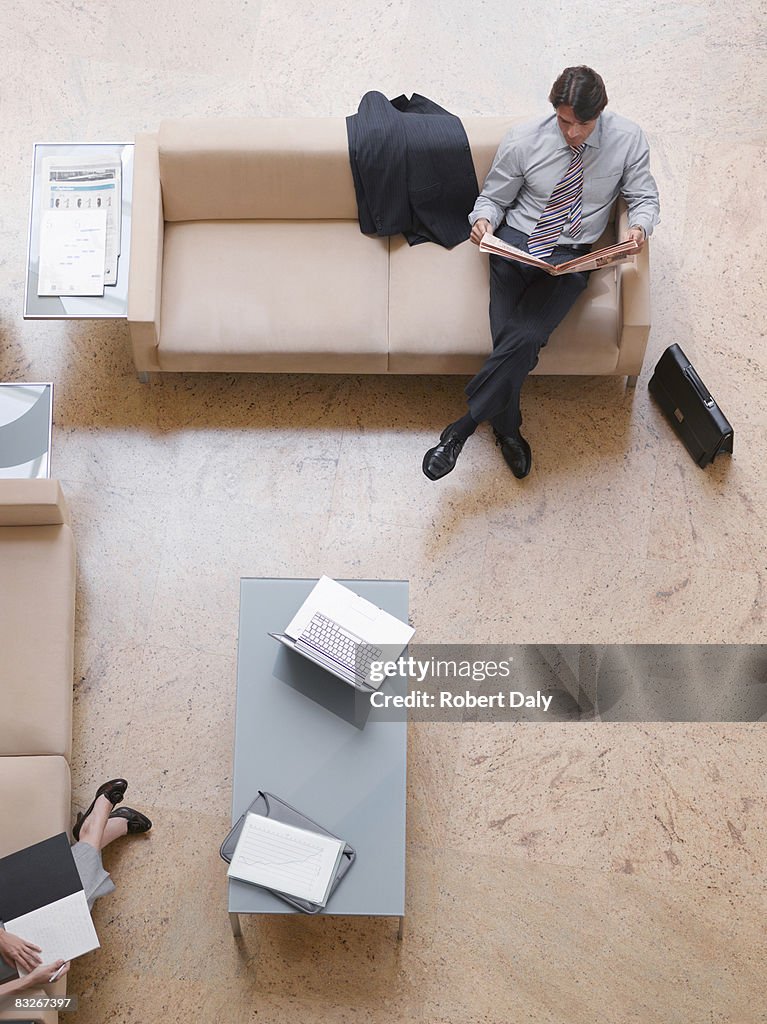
x: 693, y: 413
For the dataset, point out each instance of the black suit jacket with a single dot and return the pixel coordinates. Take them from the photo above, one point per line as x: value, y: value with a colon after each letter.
x: 412, y: 169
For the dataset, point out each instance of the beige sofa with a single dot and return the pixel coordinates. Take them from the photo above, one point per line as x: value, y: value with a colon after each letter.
x: 246, y: 255
x: 37, y: 613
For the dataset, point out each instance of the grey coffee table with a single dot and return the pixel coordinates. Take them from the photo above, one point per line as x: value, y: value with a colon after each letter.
x: 314, y: 741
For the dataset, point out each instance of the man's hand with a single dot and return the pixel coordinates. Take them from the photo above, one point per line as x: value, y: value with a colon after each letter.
x: 17, y: 951
x: 638, y: 235
x: 481, y: 227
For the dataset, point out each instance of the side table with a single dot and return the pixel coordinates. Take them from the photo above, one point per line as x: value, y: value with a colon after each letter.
x: 114, y: 302
x: 26, y: 419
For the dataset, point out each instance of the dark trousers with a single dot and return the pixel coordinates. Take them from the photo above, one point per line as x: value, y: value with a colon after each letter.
x: 526, y: 304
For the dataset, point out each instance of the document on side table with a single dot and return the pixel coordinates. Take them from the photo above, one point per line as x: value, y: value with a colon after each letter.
x: 70, y: 183
x: 72, y: 252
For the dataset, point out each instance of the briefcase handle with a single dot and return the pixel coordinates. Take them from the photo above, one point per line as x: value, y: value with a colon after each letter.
x: 700, y: 387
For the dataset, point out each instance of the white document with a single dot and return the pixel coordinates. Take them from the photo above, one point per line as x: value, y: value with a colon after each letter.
x: 71, y: 184
x: 286, y: 858
x: 63, y: 929
x: 72, y: 252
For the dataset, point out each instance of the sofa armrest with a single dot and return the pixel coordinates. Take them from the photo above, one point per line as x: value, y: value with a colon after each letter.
x: 32, y: 503
x: 633, y: 281
x: 147, y: 235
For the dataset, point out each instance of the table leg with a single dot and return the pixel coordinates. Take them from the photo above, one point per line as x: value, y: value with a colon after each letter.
x: 401, y: 929
x: 234, y: 921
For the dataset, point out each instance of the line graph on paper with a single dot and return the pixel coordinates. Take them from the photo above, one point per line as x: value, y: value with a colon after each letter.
x: 284, y: 857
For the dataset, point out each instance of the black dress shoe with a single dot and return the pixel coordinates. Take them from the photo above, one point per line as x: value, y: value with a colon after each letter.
x: 137, y: 822
x: 114, y: 791
x: 441, y: 459
x: 516, y: 452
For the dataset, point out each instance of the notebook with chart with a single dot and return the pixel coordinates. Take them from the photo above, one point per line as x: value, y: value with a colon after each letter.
x: 286, y: 858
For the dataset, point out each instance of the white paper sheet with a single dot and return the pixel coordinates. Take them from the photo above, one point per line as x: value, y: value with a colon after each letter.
x: 69, y: 183
x: 63, y: 929
x: 72, y: 252
x: 286, y: 858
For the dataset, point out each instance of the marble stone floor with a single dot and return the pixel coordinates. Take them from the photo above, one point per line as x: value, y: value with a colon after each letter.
x: 557, y: 874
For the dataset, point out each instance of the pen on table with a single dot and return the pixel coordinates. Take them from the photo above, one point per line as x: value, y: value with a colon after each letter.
x: 56, y: 974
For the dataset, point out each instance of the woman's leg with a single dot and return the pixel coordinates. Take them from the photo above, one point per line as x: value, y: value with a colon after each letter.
x: 97, y: 830
x: 115, y: 828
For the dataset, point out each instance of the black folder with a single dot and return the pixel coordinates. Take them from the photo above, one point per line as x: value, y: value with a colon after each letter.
x: 36, y: 876
x: 32, y: 878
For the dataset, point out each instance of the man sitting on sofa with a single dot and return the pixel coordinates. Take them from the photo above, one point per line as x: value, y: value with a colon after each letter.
x: 549, y: 192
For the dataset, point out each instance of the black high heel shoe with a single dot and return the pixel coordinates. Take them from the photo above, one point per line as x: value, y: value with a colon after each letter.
x: 114, y: 791
x: 137, y: 822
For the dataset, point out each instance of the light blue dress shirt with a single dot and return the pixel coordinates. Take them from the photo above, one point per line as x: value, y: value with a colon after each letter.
x: 534, y: 156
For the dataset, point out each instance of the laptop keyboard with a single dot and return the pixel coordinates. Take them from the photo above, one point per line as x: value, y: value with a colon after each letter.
x: 327, y: 636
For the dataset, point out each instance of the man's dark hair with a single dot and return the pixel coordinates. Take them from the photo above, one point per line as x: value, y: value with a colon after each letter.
x: 582, y: 89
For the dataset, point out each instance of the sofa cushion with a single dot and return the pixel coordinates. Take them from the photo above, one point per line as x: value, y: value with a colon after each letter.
x: 37, y: 613
x: 274, y: 296
x: 255, y: 168
x: 35, y: 800
x: 438, y: 321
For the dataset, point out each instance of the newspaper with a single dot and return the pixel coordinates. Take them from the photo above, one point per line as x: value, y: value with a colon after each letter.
x: 588, y: 261
x: 72, y: 184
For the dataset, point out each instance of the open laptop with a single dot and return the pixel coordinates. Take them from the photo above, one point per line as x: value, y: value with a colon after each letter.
x: 344, y: 633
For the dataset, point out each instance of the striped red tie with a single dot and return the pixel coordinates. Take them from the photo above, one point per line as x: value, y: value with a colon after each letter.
x: 565, y: 202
